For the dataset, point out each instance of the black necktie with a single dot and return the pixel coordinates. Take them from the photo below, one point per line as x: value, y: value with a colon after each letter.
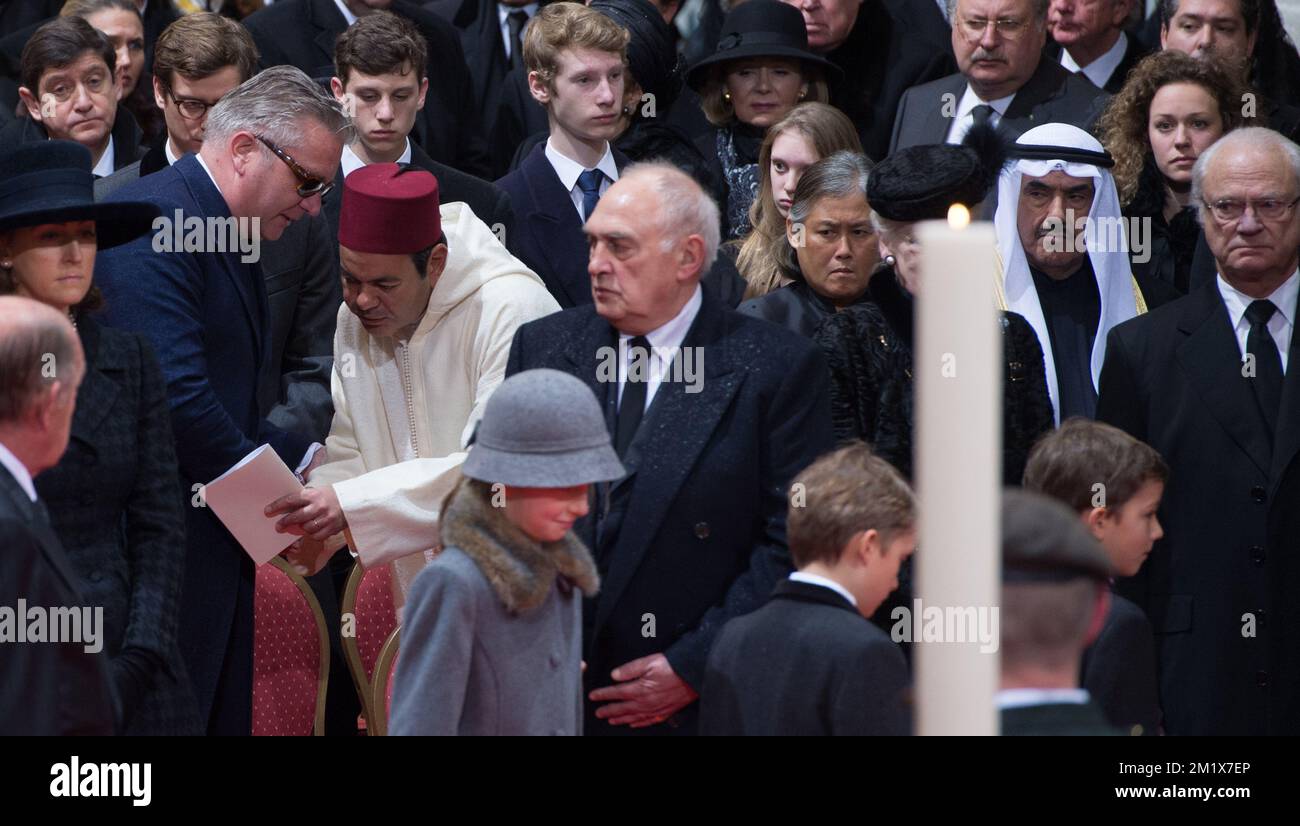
x: 981, y: 114
x: 635, y: 385
x: 1267, y: 380
x: 516, y: 20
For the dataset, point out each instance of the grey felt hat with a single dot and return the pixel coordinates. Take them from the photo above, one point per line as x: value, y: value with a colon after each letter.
x: 542, y: 429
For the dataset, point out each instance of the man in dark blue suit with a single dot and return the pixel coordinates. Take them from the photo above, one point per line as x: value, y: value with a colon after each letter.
x: 712, y: 413
x: 557, y: 186
x: 270, y: 150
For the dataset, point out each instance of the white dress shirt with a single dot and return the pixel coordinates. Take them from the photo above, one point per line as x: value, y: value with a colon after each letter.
x: 167, y: 150
x: 813, y: 579
x: 943, y: 9
x: 1279, y: 326
x: 18, y: 470
x: 503, y: 20
x: 1099, y: 70
x: 351, y: 162
x: 569, y: 170
x: 1021, y: 697
x: 664, y: 344
x: 963, y: 120
x: 105, y: 166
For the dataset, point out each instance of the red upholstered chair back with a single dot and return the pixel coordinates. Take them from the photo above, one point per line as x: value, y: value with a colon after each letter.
x: 290, y: 654
x: 381, y: 688
x: 368, y: 602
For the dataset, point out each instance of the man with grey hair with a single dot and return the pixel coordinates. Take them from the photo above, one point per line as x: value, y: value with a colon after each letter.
x: 270, y: 151
x: 1208, y: 382
x: 50, y: 687
x: 712, y: 412
x: 1088, y: 37
x: 1003, y: 79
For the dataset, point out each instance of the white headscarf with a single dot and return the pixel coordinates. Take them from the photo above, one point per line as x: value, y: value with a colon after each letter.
x: 1112, y: 269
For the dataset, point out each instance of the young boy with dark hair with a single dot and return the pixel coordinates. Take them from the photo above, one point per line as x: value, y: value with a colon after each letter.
x: 1115, y: 483
x: 809, y: 662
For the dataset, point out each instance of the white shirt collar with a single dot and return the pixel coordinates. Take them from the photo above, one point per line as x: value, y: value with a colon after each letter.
x: 1284, y: 298
x: 1099, y: 70
x: 346, y: 12
x: 1022, y: 697
x: 503, y: 21
x: 813, y: 579
x: 105, y: 166
x: 569, y: 169
x: 963, y: 120
x: 202, y: 163
x: 167, y: 150
x: 351, y: 161
x: 18, y: 470
x: 673, y: 333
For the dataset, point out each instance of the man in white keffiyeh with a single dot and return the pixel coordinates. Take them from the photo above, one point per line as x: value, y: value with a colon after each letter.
x: 1064, y: 248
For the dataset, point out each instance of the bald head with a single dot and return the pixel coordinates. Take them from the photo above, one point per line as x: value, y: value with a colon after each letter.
x: 1246, y: 186
x: 41, y: 365
x: 653, y: 234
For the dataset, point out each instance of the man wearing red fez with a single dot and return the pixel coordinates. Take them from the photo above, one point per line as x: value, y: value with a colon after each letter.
x: 432, y: 303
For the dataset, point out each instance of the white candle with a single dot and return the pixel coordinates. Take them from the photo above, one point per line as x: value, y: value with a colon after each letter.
x: 958, y: 368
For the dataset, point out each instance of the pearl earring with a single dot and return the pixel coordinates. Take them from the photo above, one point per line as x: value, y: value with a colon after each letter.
x: 890, y: 260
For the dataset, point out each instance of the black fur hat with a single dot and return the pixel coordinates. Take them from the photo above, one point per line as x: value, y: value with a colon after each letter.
x: 919, y: 183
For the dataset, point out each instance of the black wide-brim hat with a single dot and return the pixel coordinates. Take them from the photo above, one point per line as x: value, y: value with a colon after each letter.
x: 920, y: 183
x: 50, y: 182
x: 760, y: 28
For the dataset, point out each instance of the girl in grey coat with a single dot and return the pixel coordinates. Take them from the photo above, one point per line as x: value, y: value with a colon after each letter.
x: 492, y: 628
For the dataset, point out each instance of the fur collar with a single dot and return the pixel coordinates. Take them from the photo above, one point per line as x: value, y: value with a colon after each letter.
x: 520, y: 569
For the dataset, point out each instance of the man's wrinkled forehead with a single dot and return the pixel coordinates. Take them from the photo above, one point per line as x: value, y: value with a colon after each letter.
x: 1057, y: 180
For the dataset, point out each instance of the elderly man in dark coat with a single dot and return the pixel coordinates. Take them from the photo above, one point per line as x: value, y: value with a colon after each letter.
x: 712, y: 412
x: 1209, y: 381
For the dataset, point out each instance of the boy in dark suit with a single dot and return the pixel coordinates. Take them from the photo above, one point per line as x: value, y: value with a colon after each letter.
x: 1115, y: 483
x: 575, y: 58
x: 809, y: 662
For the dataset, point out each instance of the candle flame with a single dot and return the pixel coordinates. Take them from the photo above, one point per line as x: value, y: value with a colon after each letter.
x: 958, y: 216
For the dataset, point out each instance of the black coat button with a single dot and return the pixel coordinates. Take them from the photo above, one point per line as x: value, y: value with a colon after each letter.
x: 701, y: 530
x: 1258, y: 494
x: 1257, y: 554
x: 1261, y: 677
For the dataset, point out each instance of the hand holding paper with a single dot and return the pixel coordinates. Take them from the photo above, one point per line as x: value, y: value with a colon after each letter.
x: 238, y: 497
x: 313, y: 512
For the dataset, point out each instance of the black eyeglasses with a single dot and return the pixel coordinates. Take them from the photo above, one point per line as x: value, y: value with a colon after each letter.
x: 190, y: 108
x: 311, y: 185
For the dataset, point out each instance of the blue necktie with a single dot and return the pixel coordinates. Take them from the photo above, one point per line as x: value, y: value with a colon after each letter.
x: 589, y: 182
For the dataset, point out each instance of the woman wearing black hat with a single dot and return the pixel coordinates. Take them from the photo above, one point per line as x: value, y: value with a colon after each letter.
x: 830, y: 250
x: 762, y: 68
x: 114, y: 496
x: 869, y: 347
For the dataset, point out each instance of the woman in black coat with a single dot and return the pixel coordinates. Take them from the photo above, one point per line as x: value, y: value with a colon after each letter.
x: 761, y: 70
x: 831, y: 247
x: 1171, y: 109
x: 113, y: 496
x: 869, y: 347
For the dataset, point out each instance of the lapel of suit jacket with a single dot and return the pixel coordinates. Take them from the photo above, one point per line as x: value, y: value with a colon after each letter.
x: 553, y: 217
x: 675, y: 429
x: 45, y: 537
x: 1210, y: 357
x: 1287, y: 438
x: 247, y: 278
x: 1044, y: 84
x: 98, y: 392
x: 937, y: 123
x: 325, y: 17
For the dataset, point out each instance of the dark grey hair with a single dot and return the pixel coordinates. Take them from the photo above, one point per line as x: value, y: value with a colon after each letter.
x: 273, y: 104
x: 1257, y: 138
x: 835, y: 176
x: 684, y: 207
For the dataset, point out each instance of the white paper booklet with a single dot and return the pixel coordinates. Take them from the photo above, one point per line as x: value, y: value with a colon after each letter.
x: 239, y: 498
